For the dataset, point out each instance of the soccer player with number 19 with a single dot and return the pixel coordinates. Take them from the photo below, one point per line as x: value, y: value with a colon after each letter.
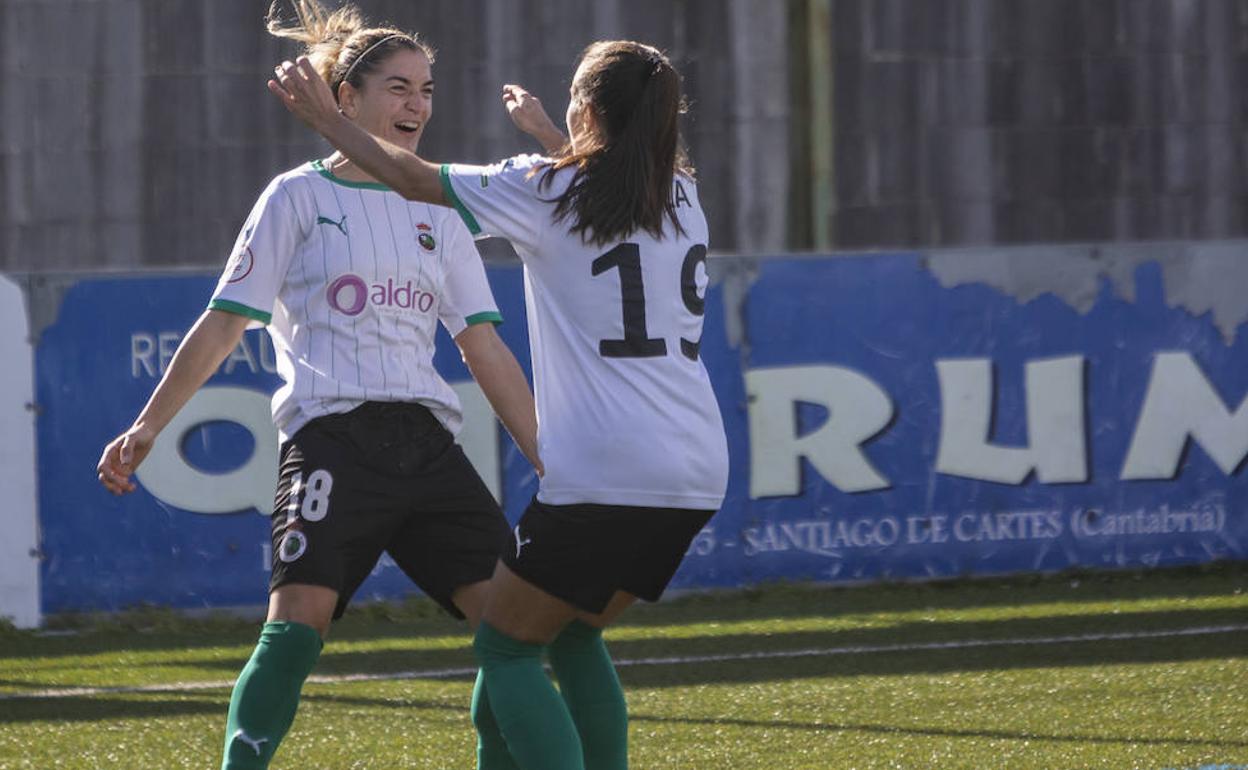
x: 613, y: 242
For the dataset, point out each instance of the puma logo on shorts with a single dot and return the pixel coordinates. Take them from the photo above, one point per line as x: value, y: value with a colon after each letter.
x: 520, y: 543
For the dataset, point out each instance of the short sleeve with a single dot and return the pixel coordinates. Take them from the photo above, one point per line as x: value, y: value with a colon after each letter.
x: 501, y: 200
x: 262, y: 254
x: 466, y: 295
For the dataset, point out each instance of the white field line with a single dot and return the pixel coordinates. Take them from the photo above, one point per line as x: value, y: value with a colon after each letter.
x: 449, y: 673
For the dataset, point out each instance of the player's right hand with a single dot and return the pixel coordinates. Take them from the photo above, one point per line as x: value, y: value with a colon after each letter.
x: 527, y: 112
x: 122, y: 456
x: 304, y: 92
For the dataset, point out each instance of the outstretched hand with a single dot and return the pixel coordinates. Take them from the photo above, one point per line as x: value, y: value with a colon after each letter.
x: 526, y: 111
x: 121, y: 457
x: 304, y: 92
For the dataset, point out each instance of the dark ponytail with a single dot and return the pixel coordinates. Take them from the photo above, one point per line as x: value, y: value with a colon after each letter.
x: 623, y: 179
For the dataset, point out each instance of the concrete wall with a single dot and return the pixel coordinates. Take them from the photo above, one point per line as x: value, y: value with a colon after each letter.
x: 962, y: 122
x: 139, y: 131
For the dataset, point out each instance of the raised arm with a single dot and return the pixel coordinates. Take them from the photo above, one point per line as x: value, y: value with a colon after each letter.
x: 527, y: 112
x: 307, y: 95
x: 203, y: 349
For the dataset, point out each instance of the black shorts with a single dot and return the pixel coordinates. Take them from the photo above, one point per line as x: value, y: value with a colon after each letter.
x: 384, y: 477
x: 584, y: 553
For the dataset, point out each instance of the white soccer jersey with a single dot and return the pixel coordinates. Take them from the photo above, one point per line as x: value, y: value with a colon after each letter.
x: 351, y: 280
x: 625, y: 409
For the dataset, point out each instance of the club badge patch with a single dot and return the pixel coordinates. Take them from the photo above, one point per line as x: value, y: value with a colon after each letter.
x: 425, y: 238
x: 293, y: 544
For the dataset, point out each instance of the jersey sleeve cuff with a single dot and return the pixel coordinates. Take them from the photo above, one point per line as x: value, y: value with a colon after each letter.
x: 489, y: 316
x: 238, y: 308
x: 444, y: 173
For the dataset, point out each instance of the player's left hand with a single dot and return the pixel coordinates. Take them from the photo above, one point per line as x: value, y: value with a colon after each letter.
x: 304, y: 92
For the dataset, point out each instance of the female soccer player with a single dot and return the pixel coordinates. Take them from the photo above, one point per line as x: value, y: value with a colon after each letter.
x: 351, y: 281
x: 614, y: 247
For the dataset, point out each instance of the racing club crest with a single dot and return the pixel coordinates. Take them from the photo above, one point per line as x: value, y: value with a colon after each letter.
x: 425, y: 237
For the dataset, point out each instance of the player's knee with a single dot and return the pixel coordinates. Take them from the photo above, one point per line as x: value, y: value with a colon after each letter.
x: 492, y: 647
x: 308, y: 605
x: 575, y: 637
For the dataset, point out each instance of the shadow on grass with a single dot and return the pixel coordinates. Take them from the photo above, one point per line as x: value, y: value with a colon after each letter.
x: 111, y: 708
x: 779, y: 601
x: 973, y: 646
x: 357, y: 701
x: 974, y: 657
x: 118, y: 707
x: 155, y: 629
x: 982, y: 656
x: 857, y: 663
x: 939, y: 732
x: 1177, y: 647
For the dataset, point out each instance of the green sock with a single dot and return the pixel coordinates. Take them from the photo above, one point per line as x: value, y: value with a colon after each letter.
x: 492, y: 753
x: 530, y: 714
x: 267, y: 694
x: 591, y: 688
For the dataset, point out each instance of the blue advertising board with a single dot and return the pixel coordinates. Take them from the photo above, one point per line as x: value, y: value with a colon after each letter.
x: 888, y: 418
x: 885, y: 426
x: 196, y: 532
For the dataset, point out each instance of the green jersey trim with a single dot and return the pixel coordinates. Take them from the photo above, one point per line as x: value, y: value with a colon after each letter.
x: 444, y: 173
x: 240, y: 309
x: 490, y: 316
x: 320, y: 168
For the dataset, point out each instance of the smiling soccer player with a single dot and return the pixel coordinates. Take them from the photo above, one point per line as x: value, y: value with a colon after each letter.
x: 351, y: 281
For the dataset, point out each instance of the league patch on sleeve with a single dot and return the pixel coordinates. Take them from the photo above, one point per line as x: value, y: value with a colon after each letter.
x: 241, y: 264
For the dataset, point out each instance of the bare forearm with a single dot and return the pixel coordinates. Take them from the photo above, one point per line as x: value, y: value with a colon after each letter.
x: 401, y: 170
x: 552, y: 141
x: 502, y: 381
x: 203, y: 349
x: 509, y: 395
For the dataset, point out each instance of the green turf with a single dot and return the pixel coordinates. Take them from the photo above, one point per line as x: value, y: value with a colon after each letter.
x: 1149, y: 703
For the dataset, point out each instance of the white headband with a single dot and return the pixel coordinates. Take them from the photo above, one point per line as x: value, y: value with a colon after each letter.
x: 347, y: 75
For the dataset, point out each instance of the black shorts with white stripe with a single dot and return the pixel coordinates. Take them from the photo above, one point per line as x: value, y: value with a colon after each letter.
x: 584, y: 553
x: 382, y: 478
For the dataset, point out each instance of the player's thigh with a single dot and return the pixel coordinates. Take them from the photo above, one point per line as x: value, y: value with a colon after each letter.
x: 523, y: 611
x: 621, y: 601
x: 453, y: 534
x: 333, y: 513
x: 470, y: 599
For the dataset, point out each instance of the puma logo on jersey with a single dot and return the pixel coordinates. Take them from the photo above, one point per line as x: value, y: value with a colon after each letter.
x: 340, y: 224
x: 254, y: 743
x: 520, y: 543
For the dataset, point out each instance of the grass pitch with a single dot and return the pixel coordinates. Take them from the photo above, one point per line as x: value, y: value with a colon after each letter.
x: 1095, y: 671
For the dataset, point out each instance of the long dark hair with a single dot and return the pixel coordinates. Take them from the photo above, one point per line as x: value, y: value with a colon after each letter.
x: 623, y: 179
